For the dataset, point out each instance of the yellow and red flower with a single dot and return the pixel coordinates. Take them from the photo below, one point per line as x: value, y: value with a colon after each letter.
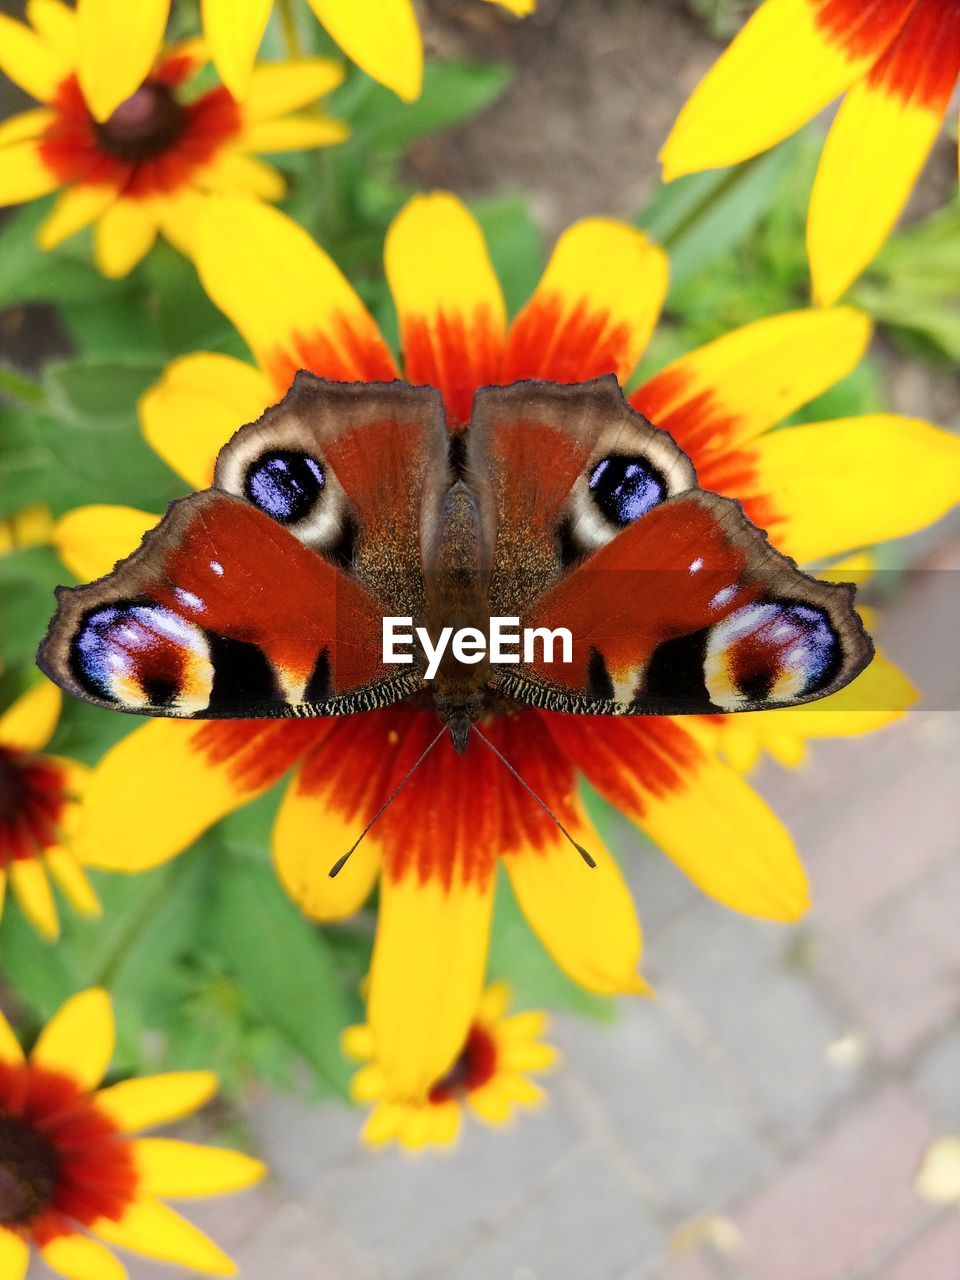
x: 897, y: 63
x: 74, y: 1179
x: 489, y: 1077
x: 39, y: 799
x: 139, y: 171
x: 820, y: 489
x: 120, y: 41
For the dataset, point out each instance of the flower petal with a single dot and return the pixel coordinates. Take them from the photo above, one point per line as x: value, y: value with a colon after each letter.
x: 200, y: 401
x: 594, y: 309
x: 153, y: 1100
x: 696, y: 808
x: 736, y: 387
x: 56, y: 23
x: 14, y: 1255
x: 76, y: 208
x: 877, y: 146
x: 381, y: 36
x: 279, y: 87
x: 29, y: 723
x: 233, y: 32
x: 122, y: 236
x: 31, y: 62
x: 169, y: 1168
x: 231, y: 172
x: 91, y: 540
x: 23, y: 174
x: 907, y: 476
x: 290, y: 302
x: 28, y: 878
x: 521, y: 8
x: 150, y: 1228
x: 25, y: 125
x: 583, y: 915
x: 295, y: 133
x: 11, y: 1054
x: 448, y: 299
x: 791, y: 59
x: 118, y: 44
x: 73, y: 880
x: 215, y: 767
x: 79, y: 1040
x: 79, y: 1258
x: 426, y: 976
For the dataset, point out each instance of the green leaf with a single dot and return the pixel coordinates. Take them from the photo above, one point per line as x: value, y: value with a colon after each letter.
x: 452, y: 92
x: 515, y: 245
x: 28, y: 274
x: 98, y: 391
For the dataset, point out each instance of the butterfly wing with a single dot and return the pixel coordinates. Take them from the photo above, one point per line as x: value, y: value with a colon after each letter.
x: 259, y: 597
x: 674, y: 601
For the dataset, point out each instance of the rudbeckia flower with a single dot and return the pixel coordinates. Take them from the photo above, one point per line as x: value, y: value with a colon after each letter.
x: 120, y: 41
x: 139, y: 171
x: 489, y: 1077
x: 29, y: 527
x: 73, y: 1179
x: 895, y: 61
x: 820, y: 489
x: 39, y: 796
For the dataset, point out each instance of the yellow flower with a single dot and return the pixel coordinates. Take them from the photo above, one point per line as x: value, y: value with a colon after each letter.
x: 120, y: 41
x: 140, y: 171
x: 821, y: 489
x: 72, y: 1176
x: 896, y: 62
x: 489, y: 1076
x: 29, y: 527
x: 39, y: 801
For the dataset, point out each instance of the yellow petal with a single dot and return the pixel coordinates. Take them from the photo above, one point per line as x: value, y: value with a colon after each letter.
x: 519, y: 7
x: 31, y: 888
x: 150, y: 1228
x: 594, y: 309
x: 357, y: 1043
x: 448, y: 299
x: 279, y: 87
x: 28, y: 124
x: 874, y: 152
x: 23, y: 174
x: 31, y: 62
x: 730, y: 390
x: 72, y: 879
x: 153, y: 1100
x: 368, y: 1084
x: 11, y: 1053
x: 80, y: 1039
x: 233, y: 32
x: 383, y: 1123
x: 778, y: 73
x: 528, y: 1057
x: 426, y: 976
x: 295, y: 133
x: 79, y: 1258
x: 381, y: 36
x: 91, y: 540
x: 176, y: 213
x: 56, y: 23
x: 834, y: 486
x: 309, y: 835
x: 938, y: 1178
x: 232, y: 172
x: 494, y: 1003
x: 118, y: 44
x: 583, y: 915
x: 29, y: 723
x: 198, y: 404
x: 491, y: 1103
x: 76, y: 208
x: 169, y: 1168
x: 521, y: 1091
x: 289, y: 300
x: 14, y: 1255
x: 122, y: 236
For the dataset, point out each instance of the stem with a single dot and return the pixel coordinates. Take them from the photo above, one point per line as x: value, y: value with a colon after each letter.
x: 17, y: 387
x: 288, y: 24
x: 669, y: 240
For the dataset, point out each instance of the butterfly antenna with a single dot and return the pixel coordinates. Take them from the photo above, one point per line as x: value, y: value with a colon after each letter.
x: 341, y: 862
x: 542, y: 803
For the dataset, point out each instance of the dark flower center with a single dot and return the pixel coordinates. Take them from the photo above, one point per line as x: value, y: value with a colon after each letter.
x: 146, y: 124
x: 12, y: 784
x: 32, y: 800
x: 28, y: 1172
x: 474, y: 1067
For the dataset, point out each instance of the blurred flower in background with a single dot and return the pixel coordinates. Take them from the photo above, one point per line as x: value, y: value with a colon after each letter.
x: 138, y: 173
x: 120, y: 41
x: 489, y: 1077
x: 39, y: 799
x: 896, y: 62
x: 69, y: 1164
x: 438, y: 844
x: 30, y: 526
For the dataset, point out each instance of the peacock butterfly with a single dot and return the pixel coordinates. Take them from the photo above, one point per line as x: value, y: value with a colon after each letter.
x: 350, y: 503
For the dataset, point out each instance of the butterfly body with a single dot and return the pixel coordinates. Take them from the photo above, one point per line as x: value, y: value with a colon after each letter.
x: 349, y: 503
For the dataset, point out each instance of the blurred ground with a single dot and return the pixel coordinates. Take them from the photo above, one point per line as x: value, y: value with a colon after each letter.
x: 786, y: 1079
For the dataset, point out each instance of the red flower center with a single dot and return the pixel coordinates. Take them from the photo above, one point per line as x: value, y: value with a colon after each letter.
x: 63, y: 1163
x: 145, y: 125
x: 474, y: 1067
x: 33, y: 796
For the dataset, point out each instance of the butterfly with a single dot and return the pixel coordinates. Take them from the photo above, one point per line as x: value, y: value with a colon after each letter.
x: 559, y: 506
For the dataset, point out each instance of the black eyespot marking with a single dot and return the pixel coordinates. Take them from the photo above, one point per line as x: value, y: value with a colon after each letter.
x: 626, y: 487
x: 318, y: 686
x: 599, y: 684
x: 284, y: 484
x: 242, y: 677
x: 674, y: 674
